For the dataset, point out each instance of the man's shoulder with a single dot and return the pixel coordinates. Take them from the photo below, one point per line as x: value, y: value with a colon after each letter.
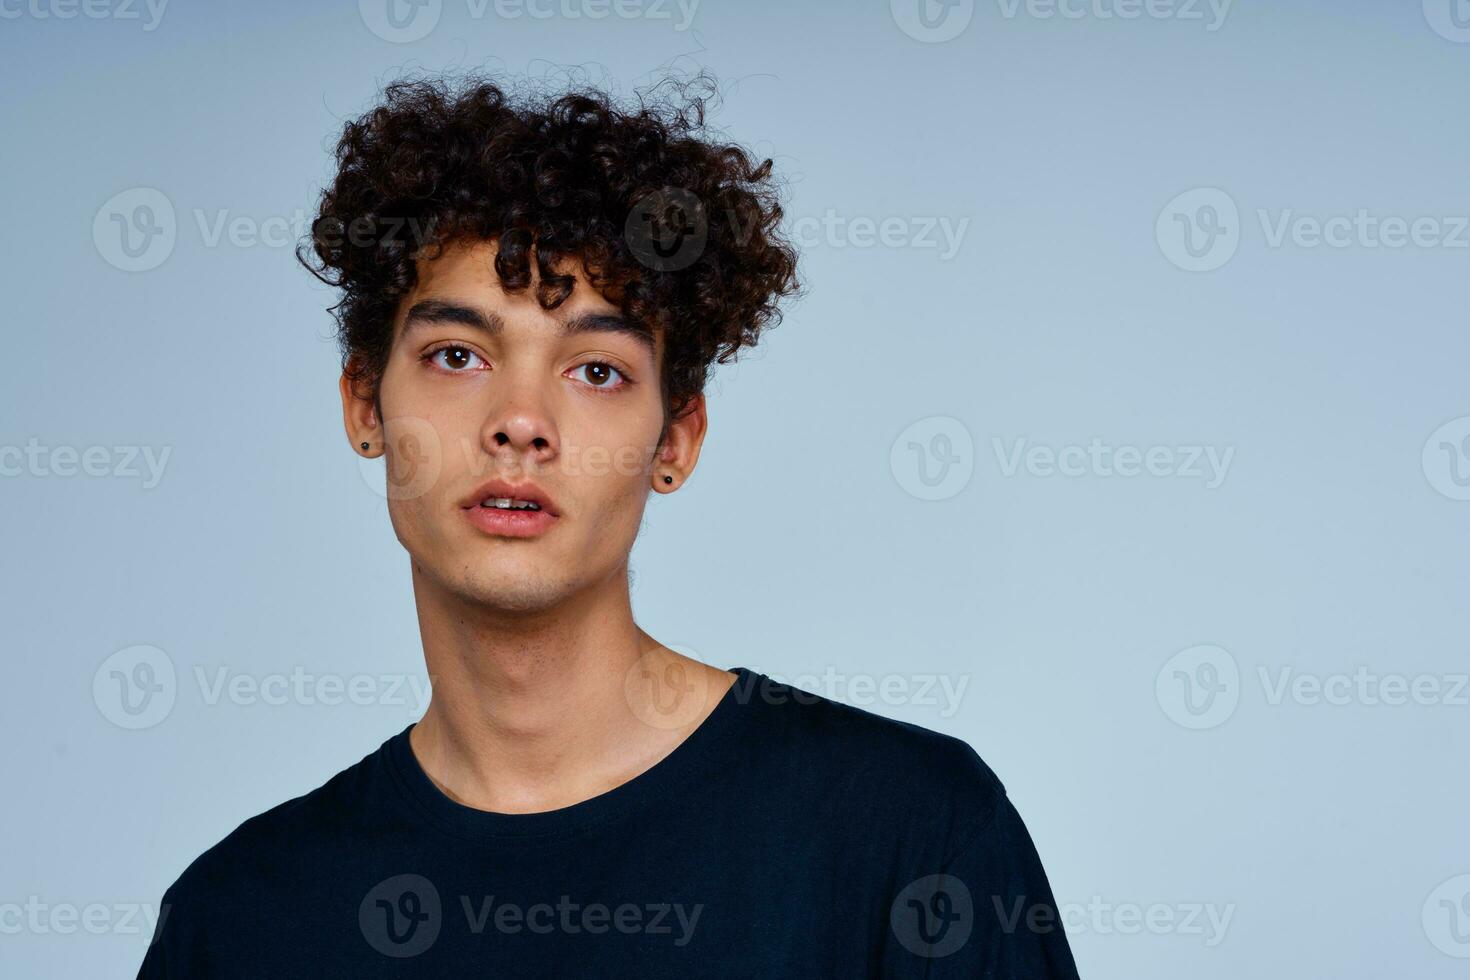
x: 892, y: 764
x: 270, y: 844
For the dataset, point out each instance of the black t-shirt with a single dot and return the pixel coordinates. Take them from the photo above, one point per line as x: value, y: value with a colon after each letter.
x: 788, y: 836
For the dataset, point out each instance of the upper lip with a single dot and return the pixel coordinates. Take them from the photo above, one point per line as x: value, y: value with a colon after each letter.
x: 515, y: 491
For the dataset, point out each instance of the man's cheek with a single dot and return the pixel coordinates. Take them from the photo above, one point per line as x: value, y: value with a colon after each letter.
x: 413, y: 522
x: 418, y: 456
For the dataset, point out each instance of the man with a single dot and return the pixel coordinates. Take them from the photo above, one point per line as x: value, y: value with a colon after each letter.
x: 534, y: 292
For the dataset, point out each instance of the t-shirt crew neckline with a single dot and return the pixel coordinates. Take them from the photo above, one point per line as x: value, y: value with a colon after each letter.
x: 674, y: 771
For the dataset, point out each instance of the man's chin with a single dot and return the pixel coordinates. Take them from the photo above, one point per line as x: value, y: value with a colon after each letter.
x: 510, y: 588
x: 494, y: 583
x: 513, y: 597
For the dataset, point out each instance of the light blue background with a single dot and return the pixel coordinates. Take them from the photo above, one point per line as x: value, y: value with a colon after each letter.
x: 1330, y: 545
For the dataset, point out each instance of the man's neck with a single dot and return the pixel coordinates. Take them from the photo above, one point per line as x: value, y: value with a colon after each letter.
x: 538, y: 711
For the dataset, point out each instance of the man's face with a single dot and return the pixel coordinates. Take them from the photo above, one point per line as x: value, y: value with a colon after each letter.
x: 483, y: 385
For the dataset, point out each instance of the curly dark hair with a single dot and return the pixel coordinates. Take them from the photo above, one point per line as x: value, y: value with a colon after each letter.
x: 551, y: 176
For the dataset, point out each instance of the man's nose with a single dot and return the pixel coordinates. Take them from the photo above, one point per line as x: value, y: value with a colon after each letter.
x: 520, y: 427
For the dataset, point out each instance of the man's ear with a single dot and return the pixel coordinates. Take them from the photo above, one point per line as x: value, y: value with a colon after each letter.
x: 676, y: 457
x: 360, y: 416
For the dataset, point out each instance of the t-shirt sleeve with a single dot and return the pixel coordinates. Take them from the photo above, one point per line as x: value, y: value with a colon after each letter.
x: 175, y: 951
x: 987, y: 913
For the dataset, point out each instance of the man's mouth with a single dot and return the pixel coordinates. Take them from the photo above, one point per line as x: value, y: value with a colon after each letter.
x: 504, y: 495
x: 509, y: 503
x: 512, y: 510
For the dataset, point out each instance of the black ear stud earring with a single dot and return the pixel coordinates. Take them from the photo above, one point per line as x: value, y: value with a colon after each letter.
x: 668, y: 479
x: 364, y: 447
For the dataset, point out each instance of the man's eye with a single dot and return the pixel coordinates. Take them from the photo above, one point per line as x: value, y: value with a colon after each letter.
x: 599, y: 374
x: 454, y: 358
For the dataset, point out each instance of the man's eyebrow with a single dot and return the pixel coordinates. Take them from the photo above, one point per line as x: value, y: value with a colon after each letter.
x: 431, y: 311
x: 611, y: 323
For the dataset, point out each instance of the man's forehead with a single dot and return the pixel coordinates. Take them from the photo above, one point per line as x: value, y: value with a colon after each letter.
x: 463, y: 265
x: 474, y: 260
x: 460, y: 285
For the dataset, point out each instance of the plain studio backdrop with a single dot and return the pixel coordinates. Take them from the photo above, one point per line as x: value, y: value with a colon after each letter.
x: 1124, y: 432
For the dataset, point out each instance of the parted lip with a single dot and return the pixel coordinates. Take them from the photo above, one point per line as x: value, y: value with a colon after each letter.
x: 515, y: 491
